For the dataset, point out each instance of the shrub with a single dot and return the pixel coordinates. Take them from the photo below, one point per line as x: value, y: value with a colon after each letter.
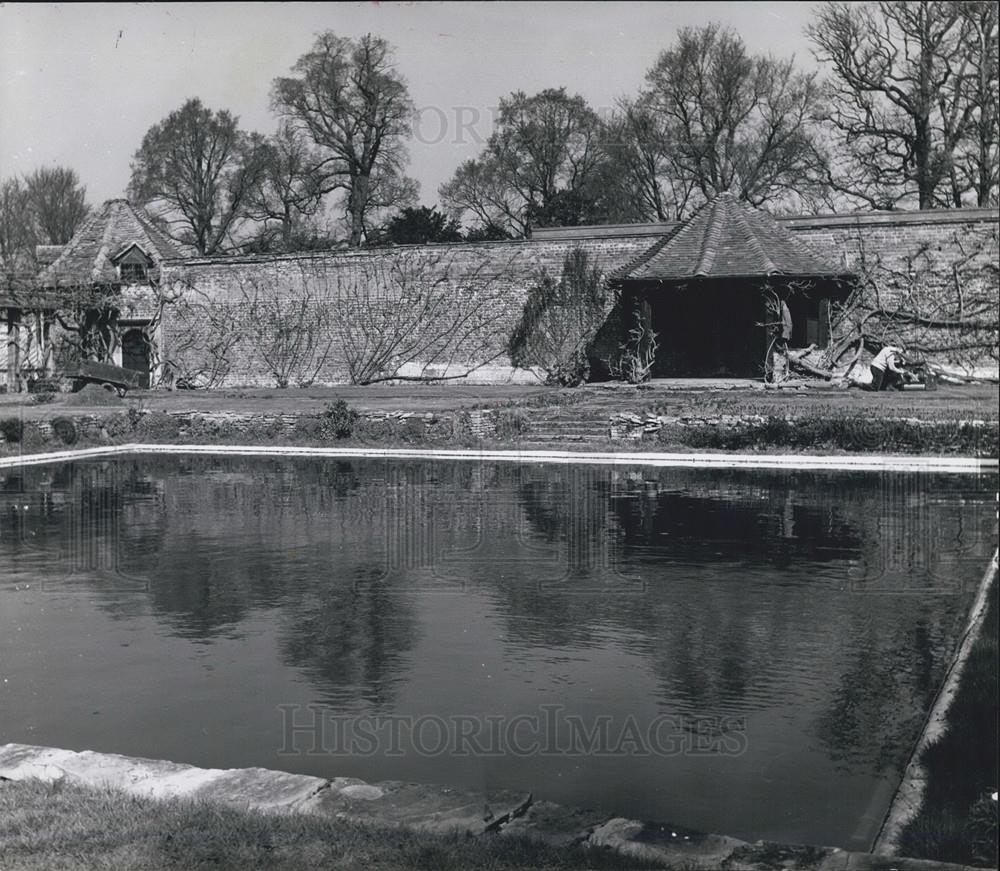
x: 43, y: 386
x: 852, y: 432
x: 340, y: 419
x: 559, y: 320
x: 12, y: 429
x: 414, y: 429
x: 158, y: 425
x: 310, y: 428
x: 511, y: 424
x: 64, y: 430
x: 120, y: 425
x: 259, y: 430
x: 981, y: 830
x: 32, y: 438
x: 637, y: 356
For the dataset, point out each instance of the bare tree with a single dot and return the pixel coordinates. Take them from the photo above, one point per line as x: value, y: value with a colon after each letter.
x: 202, y: 351
x: 418, y: 316
x: 479, y: 188
x: 638, y: 144
x: 903, y: 96
x: 948, y: 314
x: 977, y: 163
x: 290, y: 329
x: 46, y: 208
x: 198, y: 170
x: 356, y: 107
x: 543, y: 147
x: 17, y: 236
x: 289, y: 189
x: 736, y: 121
x: 57, y: 202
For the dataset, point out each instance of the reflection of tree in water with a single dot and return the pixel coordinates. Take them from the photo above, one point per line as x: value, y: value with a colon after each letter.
x: 78, y: 522
x: 352, y: 639
x: 664, y: 527
x: 886, y: 684
x: 746, y: 575
x: 749, y: 575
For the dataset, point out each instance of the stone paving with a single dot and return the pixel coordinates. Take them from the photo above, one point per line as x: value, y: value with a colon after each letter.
x: 434, y: 809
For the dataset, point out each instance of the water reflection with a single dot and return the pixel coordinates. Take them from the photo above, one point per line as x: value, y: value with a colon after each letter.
x: 820, y: 606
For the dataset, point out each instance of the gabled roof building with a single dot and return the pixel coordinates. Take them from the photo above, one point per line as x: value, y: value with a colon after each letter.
x: 117, y: 244
x: 111, y: 267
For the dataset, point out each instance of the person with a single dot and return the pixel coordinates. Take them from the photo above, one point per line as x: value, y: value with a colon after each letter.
x: 887, y: 369
x: 780, y: 329
x: 786, y: 325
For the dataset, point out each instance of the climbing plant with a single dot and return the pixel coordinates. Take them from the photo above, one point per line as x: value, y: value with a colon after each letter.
x: 560, y: 319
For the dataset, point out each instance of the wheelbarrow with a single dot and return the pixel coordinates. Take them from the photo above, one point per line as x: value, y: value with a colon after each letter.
x: 110, y: 377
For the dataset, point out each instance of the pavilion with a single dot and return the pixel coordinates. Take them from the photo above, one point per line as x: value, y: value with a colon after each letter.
x: 703, y: 288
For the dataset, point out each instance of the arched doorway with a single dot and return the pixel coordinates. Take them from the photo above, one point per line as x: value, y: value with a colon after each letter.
x: 136, y: 353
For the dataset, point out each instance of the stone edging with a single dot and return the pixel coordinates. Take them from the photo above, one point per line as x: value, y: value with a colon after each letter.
x: 908, y: 799
x: 863, y: 463
x: 424, y: 808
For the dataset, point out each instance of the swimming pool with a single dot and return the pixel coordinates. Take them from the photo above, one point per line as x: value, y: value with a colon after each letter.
x: 750, y: 652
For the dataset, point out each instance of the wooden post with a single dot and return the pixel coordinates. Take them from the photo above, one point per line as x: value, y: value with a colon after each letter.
x: 824, y: 322
x: 13, y: 350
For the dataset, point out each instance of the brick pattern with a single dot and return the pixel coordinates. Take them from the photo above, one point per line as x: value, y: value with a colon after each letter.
x: 501, y: 273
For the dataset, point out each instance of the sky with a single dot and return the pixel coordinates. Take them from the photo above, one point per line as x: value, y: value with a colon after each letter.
x: 81, y: 83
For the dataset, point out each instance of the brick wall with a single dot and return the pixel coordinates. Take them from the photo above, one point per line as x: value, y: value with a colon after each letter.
x: 489, y: 283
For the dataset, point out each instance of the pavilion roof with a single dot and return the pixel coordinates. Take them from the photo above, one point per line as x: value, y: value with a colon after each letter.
x: 728, y: 238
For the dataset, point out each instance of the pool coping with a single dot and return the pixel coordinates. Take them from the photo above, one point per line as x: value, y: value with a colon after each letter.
x: 863, y: 463
x: 908, y: 798
x: 426, y: 807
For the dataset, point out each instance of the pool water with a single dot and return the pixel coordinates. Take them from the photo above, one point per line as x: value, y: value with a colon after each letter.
x: 743, y: 652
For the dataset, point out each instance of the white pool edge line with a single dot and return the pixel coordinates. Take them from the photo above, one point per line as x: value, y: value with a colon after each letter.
x: 907, y: 800
x: 865, y: 463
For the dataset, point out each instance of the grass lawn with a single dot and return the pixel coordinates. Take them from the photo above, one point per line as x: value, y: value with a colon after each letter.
x: 71, y: 828
x: 955, y: 402
x: 958, y: 820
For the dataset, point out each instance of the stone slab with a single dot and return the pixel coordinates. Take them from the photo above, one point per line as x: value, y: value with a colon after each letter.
x: 433, y: 809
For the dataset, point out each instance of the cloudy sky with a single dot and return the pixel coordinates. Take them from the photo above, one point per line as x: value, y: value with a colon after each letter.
x: 81, y: 83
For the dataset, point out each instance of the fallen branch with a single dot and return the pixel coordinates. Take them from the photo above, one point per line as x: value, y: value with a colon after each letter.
x: 802, y: 366
x: 497, y: 824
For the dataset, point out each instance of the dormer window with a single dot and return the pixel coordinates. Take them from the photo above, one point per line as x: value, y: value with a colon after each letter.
x: 132, y: 273
x: 133, y: 264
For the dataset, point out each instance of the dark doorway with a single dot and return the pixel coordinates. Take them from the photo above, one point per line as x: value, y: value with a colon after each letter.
x: 135, y: 353
x: 708, y: 329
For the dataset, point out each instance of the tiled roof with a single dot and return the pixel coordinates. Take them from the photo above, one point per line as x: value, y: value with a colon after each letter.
x: 727, y: 238
x: 85, y: 259
x: 46, y: 254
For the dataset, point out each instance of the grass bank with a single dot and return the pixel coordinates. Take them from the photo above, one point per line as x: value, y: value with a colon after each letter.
x: 960, y: 421
x: 958, y: 819
x: 61, y: 827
